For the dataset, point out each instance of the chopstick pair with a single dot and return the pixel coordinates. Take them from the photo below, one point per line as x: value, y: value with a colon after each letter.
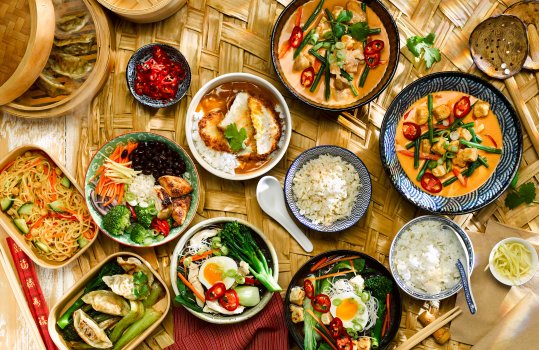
x: 431, y: 328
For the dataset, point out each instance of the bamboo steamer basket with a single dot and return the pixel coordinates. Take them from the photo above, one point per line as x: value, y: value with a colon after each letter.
x: 143, y: 11
x: 35, y: 103
x: 26, y: 34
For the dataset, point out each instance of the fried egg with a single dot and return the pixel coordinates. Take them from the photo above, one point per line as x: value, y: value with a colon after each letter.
x: 350, y: 309
x: 215, y: 270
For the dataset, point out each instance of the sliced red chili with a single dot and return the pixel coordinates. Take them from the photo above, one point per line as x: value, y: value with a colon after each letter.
x: 431, y: 183
x: 335, y: 327
x: 230, y: 300
x: 321, y: 303
x: 309, y: 288
x: 462, y: 107
x: 372, y: 59
x: 463, y: 180
x: 492, y: 140
x: 344, y: 342
x: 216, y: 291
x: 411, y: 130
x: 296, y: 36
x: 307, y: 77
x: 373, y: 47
x: 161, y: 226
x: 251, y: 281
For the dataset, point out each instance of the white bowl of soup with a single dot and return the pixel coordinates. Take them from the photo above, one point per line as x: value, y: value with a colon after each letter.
x: 238, y: 126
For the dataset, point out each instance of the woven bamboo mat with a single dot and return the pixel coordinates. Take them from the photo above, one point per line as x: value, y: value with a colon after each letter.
x: 220, y: 36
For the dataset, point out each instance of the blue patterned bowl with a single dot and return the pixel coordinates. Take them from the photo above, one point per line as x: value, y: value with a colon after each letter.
x: 413, y: 292
x: 363, y: 197
x: 504, y: 172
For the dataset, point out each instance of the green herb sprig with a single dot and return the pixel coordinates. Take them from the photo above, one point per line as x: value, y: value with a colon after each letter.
x: 235, y: 137
x: 525, y: 193
x: 423, y: 47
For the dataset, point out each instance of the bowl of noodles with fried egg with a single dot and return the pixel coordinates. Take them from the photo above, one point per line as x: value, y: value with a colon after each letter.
x: 238, y: 126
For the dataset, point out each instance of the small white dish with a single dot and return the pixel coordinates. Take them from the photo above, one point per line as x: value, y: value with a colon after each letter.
x: 504, y: 280
x: 275, y: 94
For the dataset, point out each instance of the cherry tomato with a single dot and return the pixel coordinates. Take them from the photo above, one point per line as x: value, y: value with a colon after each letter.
x: 372, y: 59
x: 216, y: 291
x: 296, y: 36
x: 335, y: 327
x: 431, y: 183
x: 230, y: 300
x: 344, y: 342
x: 373, y: 47
x: 462, y: 107
x: 307, y: 77
x: 321, y: 303
x: 309, y: 288
x: 411, y: 130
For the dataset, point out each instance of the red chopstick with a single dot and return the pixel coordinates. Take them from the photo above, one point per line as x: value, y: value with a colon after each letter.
x: 32, y: 291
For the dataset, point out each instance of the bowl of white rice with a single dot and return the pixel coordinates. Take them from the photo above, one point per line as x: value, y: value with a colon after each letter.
x: 328, y: 188
x: 423, y: 255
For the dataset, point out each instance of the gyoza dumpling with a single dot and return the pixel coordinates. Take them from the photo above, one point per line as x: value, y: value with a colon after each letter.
x: 89, y: 331
x: 74, y: 22
x: 122, y: 285
x: 71, y: 66
x: 133, y: 265
x: 52, y: 86
x: 107, y: 302
x: 76, y: 45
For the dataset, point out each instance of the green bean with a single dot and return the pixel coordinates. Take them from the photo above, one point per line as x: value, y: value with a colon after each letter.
x: 327, y: 91
x: 455, y: 124
x: 423, y: 170
x: 432, y: 164
x: 449, y: 181
x: 467, y: 172
x: 364, y: 7
x: 317, y: 55
x: 431, y: 130
x: 318, y: 77
x: 468, y: 125
x: 481, y: 147
x: 374, y: 31
x: 313, y: 15
x: 483, y: 161
x: 331, y: 20
x: 448, y: 164
x: 354, y: 91
x: 346, y: 75
x: 317, y: 46
x: 416, y: 154
x: 363, y: 76
x: 303, y: 43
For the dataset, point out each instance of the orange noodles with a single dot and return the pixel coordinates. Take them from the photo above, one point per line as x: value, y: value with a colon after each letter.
x: 57, y: 220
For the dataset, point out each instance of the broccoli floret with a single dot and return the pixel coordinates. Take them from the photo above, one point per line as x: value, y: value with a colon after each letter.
x: 145, y: 215
x: 117, y: 220
x: 379, y: 286
x: 139, y: 233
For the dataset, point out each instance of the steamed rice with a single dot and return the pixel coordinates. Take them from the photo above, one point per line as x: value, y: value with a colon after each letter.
x: 325, y: 189
x: 425, y: 257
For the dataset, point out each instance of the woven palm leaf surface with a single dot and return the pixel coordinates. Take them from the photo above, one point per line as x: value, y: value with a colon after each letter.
x: 221, y: 36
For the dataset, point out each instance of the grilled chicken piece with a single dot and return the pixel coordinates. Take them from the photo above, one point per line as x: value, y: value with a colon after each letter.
x: 480, y: 109
x: 301, y: 62
x: 180, y: 207
x: 192, y: 277
x: 425, y: 146
x: 238, y: 113
x: 439, y: 171
x: 267, y: 126
x: 209, y: 132
x: 163, y: 196
x: 441, y: 112
x: 341, y: 83
x: 421, y: 115
x: 465, y: 155
x: 358, y: 15
x: 465, y: 134
x: 439, y: 147
x: 175, y: 186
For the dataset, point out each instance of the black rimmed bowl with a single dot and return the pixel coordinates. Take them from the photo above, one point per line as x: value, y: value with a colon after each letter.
x: 142, y: 55
x: 394, y: 44
x: 499, y: 180
x: 374, y: 267
x: 363, y: 198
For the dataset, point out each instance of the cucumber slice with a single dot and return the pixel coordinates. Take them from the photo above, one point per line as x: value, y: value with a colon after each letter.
x: 65, y: 182
x: 26, y: 208
x: 41, y: 246
x: 57, y: 206
x: 21, y: 225
x: 6, y: 203
x: 82, y: 241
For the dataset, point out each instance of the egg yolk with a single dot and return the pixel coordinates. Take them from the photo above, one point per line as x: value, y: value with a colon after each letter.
x: 213, y: 273
x: 347, y: 309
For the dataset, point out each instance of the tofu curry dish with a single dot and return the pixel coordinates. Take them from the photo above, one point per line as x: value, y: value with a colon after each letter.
x: 449, y: 143
x: 333, y: 52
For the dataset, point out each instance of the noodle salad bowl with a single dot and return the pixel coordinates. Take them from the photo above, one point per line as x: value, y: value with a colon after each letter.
x: 142, y: 189
x: 51, y: 199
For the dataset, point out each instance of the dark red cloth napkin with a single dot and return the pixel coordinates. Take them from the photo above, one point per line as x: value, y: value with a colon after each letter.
x: 32, y: 291
x: 264, y: 331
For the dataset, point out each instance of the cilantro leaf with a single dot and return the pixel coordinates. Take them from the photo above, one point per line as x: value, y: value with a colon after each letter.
x: 424, y: 45
x: 524, y: 194
x: 140, y: 282
x: 344, y: 16
x: 235, y: 137
x: 359, y: 31
x: 513, y: 200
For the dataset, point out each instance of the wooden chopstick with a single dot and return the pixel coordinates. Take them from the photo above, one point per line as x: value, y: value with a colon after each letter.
x: 431, y: 328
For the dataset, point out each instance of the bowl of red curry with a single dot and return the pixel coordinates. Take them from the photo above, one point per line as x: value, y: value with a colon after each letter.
x: 158, y: 75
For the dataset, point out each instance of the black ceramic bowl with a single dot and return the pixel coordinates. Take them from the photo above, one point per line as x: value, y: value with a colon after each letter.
x: 372, y: 267
x: 394, y: 47
x: 142, y: 55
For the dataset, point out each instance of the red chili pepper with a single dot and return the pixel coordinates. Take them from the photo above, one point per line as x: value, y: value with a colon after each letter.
x: 251, y: 281
x: 309, y: 288
x: 216, y: 291
x: 372, y: 60
x: 321, y: 303
x: 431, y: 183
x: 230, y: 300
x: 373, y: 47
x: 307, y: 77
x: 463, y: 180
x: 492, y: 140
x: 462, y: 107
x: 161, y: 226
x: 344, y: 342
x: 133, y: 214
x: 296, y: 36
x: 411, y: 130
x: 407, y: 114
x: 335, y: 327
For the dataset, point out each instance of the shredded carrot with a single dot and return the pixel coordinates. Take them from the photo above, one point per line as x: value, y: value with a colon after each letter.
x: 7, y: 166
x: 310, y: 312
x: 317, y: 265
x: 333, y: 274
x: 325, y: 338
x: 52, y: 181
x: 338, y: 260
x: 199, y: 256
x: 298, y: 16
x: 387, y: 318
x: 190, y: 286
